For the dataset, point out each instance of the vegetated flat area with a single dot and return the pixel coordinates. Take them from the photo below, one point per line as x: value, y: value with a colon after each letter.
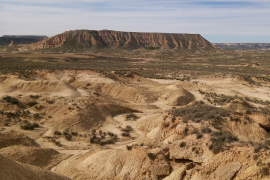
x: 142, y: 114
x: 164, y: 64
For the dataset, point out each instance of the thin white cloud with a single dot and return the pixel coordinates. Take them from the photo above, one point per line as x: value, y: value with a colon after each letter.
x: 50, y: 17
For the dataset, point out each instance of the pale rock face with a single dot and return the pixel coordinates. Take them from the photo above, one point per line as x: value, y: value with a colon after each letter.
x: 228, y: 171
x: 261, y: 120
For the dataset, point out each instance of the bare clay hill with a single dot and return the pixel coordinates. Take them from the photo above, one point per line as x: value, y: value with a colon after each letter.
x: 82, y: 124
x: 118, y: 39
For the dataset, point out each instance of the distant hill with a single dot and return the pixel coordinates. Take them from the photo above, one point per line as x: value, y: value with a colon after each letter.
x: 16, y: 39
x: 127, y: 40
x: 243, y: 46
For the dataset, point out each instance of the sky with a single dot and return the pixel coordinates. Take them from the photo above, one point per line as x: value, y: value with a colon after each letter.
x: 219, y: 21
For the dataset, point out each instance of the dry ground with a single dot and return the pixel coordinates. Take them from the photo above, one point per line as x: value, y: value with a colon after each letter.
x: 84, y: 129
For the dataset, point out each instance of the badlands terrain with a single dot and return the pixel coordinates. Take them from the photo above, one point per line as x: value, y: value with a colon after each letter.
x: 143, y: 107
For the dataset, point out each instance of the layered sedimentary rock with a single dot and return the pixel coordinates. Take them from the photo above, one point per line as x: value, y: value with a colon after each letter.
x: 117, y: 39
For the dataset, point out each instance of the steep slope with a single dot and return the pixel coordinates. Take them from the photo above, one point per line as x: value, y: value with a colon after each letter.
x: 15, y: 138
x: 44, y: 158
x: 118, y: 39
x: 10, y: 169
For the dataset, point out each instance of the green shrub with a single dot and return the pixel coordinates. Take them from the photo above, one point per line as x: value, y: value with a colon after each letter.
x: 127, y: 129
x: 35, y: 125
x: 103, y: 140
x: 32, y: 103
x: 206, y: 130
x: 125, y: 134
x: 264, y: 171
x: 74, y: 133
x: 183, y: 144
x: 200, y: 112
x: 29, y: 126
x: 37, y: 116
x: 11, y: 100
x: 129, y: 148
x: 35, y: 96
x: 68, y: 137
x: 199, y: 135
x: 153, y: 48
x: 131, y: 116
x: 151, y: 156
x: 260, y: 146
x: 50, y: 101
x: 57, y: 133
x: 57, y: 143
x: 255, y: 157
x: 218, y: 140
x: 267, y: 142
x: 185, y: 132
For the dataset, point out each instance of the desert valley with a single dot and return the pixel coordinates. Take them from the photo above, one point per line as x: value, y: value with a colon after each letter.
x: 117, y: 105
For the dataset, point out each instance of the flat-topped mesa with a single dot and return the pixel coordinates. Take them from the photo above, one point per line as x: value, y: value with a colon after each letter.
x: 18, y: 39
x: 118, y: 39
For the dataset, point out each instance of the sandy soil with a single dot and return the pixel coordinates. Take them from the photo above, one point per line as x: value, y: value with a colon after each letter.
x: 80, y: 102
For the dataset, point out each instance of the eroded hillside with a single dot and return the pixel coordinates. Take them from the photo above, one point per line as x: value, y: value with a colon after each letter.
x: 85, y: 124
x: 77, y: 39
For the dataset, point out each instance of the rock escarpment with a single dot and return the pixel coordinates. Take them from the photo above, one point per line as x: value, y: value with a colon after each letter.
x: 118, y: 39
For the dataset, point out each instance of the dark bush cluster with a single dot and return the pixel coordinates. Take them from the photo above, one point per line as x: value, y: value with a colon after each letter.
x: 131, y: 116
x: 264, y: 171
x: 183, y: 144
x: 219, y: 139
x: 11, y: 100
x: 151, y: 156
x: 200, y: 112
x: 103, y: 138
x: 32, y: 103
x: 129, y: 148
x: 153, y: 48
x: 68, y: 134
x: 110, y: 75
x: 57, y: 143
x: 126, y: 130
x: 260, y: 146
x: 206, y: 130
x: 29, y: 126
x: 58, y: 133
x: 35, y: 96
x: 222, y: 99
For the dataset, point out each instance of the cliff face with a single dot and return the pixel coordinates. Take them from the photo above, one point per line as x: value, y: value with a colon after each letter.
x: 15, y: 40
x: 117, y: 39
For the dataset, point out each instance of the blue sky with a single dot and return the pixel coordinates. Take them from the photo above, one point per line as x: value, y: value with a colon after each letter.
x: 224, y: 21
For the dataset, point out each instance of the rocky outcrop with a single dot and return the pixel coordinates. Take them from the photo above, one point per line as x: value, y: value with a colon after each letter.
x: 118, y: 39
x: 263, y: 121
x: 228, y: 171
